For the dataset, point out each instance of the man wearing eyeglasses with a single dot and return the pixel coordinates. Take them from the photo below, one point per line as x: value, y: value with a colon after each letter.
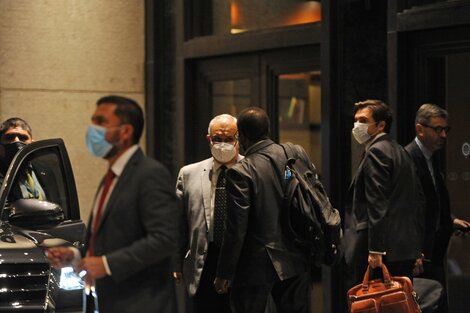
x: 432, y: 128
x: 200, y: 189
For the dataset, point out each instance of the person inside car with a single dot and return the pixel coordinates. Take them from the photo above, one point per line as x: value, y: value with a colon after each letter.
x: 15, y: 133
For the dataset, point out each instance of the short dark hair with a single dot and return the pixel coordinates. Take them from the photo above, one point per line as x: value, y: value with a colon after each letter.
x: 429, y: 110
x: 380, y: 111
x: 253, y: 124
x: 128, y: 111
x: 15, y: 122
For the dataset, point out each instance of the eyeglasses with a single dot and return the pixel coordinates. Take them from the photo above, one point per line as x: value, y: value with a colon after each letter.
x: 438, y: 129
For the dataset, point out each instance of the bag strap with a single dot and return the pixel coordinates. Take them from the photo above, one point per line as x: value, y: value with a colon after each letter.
x: 294, y: 152
x: 288, y: 148
x: 385, y: 273
x: 279, y: 175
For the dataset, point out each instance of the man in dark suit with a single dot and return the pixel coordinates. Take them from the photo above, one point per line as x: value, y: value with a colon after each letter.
x: 432, y: 127
x: 131, y: 232
x: 255, y: 258
x: 383, y: 221
x: 197, y: 187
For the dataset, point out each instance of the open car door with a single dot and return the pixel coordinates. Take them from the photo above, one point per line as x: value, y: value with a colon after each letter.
x: 39, y: 208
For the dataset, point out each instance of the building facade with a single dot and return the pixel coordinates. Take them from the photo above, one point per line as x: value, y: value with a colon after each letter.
x: 307, y: 63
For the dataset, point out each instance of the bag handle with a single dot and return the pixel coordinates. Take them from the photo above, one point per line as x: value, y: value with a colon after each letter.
x: 386, y: 277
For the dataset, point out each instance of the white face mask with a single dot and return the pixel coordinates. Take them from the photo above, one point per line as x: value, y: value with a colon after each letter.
x: 360, y: 132
x: 223, y: 152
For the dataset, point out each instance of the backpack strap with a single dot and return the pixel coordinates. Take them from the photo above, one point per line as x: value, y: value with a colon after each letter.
x: 295, y: 152
x: 289, y: 150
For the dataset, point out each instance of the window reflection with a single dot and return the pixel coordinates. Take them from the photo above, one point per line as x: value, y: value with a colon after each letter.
x: 299, y: 100
x: 299, y: 116
x: 230, y: 96
x: 46, y: 180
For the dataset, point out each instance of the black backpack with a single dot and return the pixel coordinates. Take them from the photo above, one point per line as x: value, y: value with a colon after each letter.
x: 308, y: 219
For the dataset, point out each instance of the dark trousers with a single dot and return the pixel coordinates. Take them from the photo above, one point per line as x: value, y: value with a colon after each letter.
x: 289, y: 296
x: 398, y: 268
x: 89, y: 303
x: 435, y: 269
x: 206, y: 299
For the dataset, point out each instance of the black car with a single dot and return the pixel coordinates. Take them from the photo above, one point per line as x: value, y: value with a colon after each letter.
x: 30, y: 222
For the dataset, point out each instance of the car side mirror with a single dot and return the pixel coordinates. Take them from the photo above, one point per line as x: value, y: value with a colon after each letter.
x: 32, y: 213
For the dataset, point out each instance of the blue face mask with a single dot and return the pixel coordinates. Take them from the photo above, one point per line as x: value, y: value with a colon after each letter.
x: 95, y: 141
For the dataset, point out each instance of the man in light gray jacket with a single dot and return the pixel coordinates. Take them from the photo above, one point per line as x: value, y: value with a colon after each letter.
x: 200, y: 188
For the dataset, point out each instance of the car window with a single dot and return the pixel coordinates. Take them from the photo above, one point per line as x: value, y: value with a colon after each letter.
x: 41, y: 177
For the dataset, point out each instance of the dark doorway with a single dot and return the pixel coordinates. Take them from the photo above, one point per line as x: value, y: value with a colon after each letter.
x: 438, y: 72
x: 458, y: 175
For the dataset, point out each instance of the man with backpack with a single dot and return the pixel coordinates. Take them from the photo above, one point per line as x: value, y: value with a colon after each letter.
x: 256, y: 260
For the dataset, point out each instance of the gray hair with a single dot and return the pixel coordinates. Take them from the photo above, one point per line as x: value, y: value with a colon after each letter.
x: 427, y: 111
x: 220, y: 117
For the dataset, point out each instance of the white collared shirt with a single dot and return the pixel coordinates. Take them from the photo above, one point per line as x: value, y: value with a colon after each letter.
x: 117, y: 168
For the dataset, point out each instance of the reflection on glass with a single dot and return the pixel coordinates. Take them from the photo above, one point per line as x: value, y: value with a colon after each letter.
x: 40, y: 177
x: 299, y: 109
x: 300, y: 112
x: 230, y: 96
x: 235, y: 16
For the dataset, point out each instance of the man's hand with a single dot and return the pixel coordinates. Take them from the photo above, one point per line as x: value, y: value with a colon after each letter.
x: 60, y: 256
x: 94, y: 267
x: 462, y: 226
x: 418, y: 268
x: 375, y: 260
x: 221, y: 285
x: 178, y: 276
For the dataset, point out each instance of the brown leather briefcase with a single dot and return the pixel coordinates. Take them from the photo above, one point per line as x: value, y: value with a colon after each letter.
x: 387, y: 295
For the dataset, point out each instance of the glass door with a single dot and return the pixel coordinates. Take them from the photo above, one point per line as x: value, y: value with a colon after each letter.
x: 292, y: 79
x: 222, y: 85
x: 291, y: 87
x: 458, y: 175
x: 299, y: 107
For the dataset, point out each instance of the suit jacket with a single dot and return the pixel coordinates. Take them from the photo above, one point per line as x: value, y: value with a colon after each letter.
x: 385, y: 206
x: 253, y: 243
x: 193, y: 189
x: 137, y: 233
x: 438, y: 221
x: 48, y: 181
